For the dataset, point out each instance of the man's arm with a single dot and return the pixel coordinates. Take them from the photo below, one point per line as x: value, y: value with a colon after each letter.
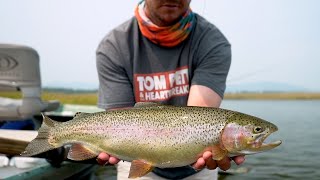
x: 203, y: 96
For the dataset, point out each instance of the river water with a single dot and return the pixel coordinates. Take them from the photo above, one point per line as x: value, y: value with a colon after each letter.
x: 299, y: 129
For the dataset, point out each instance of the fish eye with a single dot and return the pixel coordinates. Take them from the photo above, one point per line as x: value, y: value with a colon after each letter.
x: 258, y: 129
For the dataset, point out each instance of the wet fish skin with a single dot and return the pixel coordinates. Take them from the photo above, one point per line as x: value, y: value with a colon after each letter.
x: 154, y: 135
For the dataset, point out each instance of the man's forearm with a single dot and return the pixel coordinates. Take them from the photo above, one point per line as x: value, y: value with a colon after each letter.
x: 203, y: 96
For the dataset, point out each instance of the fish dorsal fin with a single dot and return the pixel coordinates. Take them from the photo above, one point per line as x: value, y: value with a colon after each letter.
x: 139, y: 168
x: 79, y: 152
x: 147, y: 104
x: 80, y: 114
x: 48, y: 121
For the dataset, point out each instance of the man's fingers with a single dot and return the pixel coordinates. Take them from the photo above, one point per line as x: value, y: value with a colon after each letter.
x: 207, y: 155
x: 200, y: 164
x: 224, y: 164
x: 238, y: 159
x: 113, y: 160
x: 103, y: 158
x: 211, y: 164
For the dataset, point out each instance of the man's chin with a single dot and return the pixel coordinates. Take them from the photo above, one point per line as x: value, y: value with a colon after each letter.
x: 169, y: 20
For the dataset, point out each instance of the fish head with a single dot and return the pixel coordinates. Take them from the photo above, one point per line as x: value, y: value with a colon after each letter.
x: 245, y: 134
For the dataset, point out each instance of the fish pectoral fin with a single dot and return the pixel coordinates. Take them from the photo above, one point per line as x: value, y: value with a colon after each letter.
x: 79, y: 152
x: 139, y: 168
x: 218, y: 153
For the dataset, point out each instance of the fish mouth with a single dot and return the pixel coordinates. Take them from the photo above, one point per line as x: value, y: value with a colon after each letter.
x: 259, y: 144
x: 268, y: 146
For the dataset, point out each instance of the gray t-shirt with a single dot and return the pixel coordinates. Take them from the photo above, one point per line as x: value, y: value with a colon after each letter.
x: 133, y: 69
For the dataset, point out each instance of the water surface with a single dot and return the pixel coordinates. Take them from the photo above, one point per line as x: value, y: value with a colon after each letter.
x: 299, y: 129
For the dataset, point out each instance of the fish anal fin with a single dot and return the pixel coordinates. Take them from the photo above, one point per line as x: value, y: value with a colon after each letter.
x: 218, y: 153
x: 139, y: 168
x: 79, y: 152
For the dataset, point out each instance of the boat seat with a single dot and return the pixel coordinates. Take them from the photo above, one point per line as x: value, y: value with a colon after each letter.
x: 20, y: 71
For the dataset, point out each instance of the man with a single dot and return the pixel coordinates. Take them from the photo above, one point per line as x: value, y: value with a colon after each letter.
x: 167, y: 54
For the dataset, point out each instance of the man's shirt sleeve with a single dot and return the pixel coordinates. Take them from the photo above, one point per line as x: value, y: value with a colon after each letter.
x: 213, y: 62
x: 115, y: 88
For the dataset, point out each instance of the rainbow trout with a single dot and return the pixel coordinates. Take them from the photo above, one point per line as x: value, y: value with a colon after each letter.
x: 153, y: 135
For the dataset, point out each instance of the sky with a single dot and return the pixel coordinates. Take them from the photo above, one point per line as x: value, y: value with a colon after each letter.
x: 272, y: 40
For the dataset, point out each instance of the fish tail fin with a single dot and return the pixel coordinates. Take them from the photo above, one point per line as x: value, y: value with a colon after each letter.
x: 41, y: 142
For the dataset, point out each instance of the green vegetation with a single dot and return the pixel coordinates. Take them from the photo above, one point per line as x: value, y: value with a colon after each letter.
x: 82, y: 98
x: 90, y: 97
x: 72, y: 98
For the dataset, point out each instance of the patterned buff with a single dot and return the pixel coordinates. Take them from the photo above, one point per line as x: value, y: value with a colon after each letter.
x: 164, y: 36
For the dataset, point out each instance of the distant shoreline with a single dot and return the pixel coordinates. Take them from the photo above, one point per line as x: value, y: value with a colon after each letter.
x: 90, y: 97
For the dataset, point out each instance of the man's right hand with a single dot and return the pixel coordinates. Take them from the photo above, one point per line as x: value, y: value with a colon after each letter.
x: 104, y: 159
